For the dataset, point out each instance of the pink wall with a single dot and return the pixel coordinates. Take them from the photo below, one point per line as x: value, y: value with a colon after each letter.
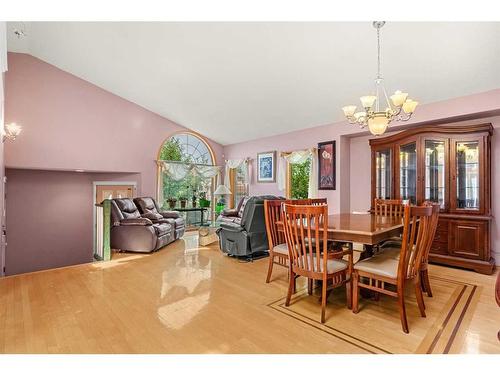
x: 353, y: 152
x: 70, y: 124
x: 49, y: 218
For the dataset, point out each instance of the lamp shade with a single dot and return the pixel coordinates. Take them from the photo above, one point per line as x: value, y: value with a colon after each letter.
x: 222, y: 190
x: 378, y: 125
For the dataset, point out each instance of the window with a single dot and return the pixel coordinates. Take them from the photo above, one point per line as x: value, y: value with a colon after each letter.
x: 298, y: 180
x: 190, y: 190
x: 238, y: 187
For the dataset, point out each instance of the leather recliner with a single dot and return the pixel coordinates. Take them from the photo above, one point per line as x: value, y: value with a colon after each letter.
x: 149, y: 209
x: 247, y: 237
x: 131, y: 232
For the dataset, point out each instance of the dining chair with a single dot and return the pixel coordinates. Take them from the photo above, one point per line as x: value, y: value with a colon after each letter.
x: 318, y: 201
x: 278, y: 251
x: 424, y: 274
x: 380, y: 271
x: 273, y: 214
x: 394, y: 251
x: 393, y: 208
x: 310, y: 258
x: 389, y: 207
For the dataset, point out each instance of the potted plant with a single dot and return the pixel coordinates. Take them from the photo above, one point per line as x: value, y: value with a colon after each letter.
x: 204, y: 202
x: 183, y: 201
x: 172, y: 202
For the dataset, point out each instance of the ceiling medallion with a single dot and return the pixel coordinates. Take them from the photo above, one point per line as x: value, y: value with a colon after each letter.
x: 401, y: 109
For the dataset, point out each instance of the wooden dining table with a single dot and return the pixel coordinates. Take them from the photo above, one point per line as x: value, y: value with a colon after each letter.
x: 367, y: 229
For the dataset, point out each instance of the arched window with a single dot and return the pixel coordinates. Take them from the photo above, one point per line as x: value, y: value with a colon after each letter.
x: 179, y: 187
x: 187, y: 148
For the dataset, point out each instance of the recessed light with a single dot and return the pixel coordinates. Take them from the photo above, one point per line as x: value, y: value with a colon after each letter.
x: 79, y: 170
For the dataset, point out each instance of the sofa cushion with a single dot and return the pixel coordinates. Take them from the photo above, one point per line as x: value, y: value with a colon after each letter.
x: 162, y: 228
x: 127, y: 208
x: 152, y: 216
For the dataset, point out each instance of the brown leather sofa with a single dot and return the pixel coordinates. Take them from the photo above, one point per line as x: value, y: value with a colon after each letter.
x: 132, y: 232
x: 149, y: 209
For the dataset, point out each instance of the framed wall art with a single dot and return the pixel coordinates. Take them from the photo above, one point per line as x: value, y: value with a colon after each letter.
x: 326, y: 165
x: 266, y: 166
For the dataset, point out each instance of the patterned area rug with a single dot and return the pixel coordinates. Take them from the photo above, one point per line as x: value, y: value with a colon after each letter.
x: 377, y: 327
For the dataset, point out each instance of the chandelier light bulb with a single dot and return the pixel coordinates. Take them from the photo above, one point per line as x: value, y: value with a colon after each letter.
x: 399, y: 98
x: 409, y: 106
x: 349, y: 110
x: 368, y: 101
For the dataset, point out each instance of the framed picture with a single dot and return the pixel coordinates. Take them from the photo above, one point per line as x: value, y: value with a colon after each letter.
x: 266, y: 166
x: 326, y: 165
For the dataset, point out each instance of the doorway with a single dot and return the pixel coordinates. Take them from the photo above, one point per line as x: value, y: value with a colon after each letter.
x: 110, y: 190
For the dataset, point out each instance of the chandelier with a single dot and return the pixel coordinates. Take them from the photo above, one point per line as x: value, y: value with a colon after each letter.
x: 378, y: 120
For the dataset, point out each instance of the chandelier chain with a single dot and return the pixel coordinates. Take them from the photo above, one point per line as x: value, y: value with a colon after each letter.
x: 378, y: 52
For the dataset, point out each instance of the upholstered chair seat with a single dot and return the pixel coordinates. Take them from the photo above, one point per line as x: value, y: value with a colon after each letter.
x: 379, y: 265
x: 282, y: 248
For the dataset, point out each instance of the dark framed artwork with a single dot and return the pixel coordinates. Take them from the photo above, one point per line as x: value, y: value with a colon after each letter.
x: 326, y: 165
x: 266, y: 166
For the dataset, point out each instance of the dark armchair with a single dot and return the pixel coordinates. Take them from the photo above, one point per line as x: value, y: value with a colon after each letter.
x: 246, y: 236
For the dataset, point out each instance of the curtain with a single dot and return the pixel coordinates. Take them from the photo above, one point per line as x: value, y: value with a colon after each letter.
x: 178, y: 171
x: 299, y: 157
x: 234, y: 164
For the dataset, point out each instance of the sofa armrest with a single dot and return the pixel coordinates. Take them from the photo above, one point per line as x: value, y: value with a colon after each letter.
x: 142, y: 221
x: 230, y: 212
x: 232, y: 227
x: 170, y: 214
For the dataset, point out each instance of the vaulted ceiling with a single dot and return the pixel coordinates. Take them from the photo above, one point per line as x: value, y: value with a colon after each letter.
x: 239, y: 81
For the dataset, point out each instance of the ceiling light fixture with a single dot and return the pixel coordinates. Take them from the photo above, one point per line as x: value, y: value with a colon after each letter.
x: 377, y: 121
x: 11, y: 131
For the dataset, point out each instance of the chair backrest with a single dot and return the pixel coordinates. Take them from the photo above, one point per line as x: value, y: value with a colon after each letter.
x: 389, y: 207
x: 123, y: 208
x: 148, y: 208
x: 417, y: 220
x: 273, y: 214
x: 318, y: 201
x: 306, y: 237
x: 432, y: 229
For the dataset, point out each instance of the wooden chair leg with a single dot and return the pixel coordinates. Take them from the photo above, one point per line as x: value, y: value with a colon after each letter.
x: 355, y: 292
x: 291, y: 288
x: 425, y: 280
x: 402, y: 309
x: 324, y: 286
x: 420, y: 297
x: 309, y: 286
x: 348, y: 292
x: 270, y: 268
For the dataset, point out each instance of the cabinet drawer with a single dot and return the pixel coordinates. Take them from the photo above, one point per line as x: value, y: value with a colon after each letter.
x: 442, y: 231
x: 439, y: 248
x: 468, y: 239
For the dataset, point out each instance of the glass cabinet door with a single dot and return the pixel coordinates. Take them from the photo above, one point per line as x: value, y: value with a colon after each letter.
x: 435, y: 172
x: 467, y: 170
x: 383, y: 174
x: 408, y: 172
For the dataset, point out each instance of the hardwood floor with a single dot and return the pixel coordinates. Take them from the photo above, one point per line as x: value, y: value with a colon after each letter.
x: 191, y: 299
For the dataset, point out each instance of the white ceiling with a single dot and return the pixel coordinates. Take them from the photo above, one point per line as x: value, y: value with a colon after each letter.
x: 239, y: 81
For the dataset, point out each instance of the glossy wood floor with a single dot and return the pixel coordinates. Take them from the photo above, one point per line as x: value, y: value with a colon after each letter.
x: 191, y: 299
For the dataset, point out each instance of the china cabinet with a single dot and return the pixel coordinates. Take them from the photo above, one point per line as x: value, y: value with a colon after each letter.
x: 449, y: 165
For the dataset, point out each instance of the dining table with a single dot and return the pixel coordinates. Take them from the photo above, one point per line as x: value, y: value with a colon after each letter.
x: 365, y: 228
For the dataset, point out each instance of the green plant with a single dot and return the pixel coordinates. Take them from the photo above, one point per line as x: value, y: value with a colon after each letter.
x: 299, y: 180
